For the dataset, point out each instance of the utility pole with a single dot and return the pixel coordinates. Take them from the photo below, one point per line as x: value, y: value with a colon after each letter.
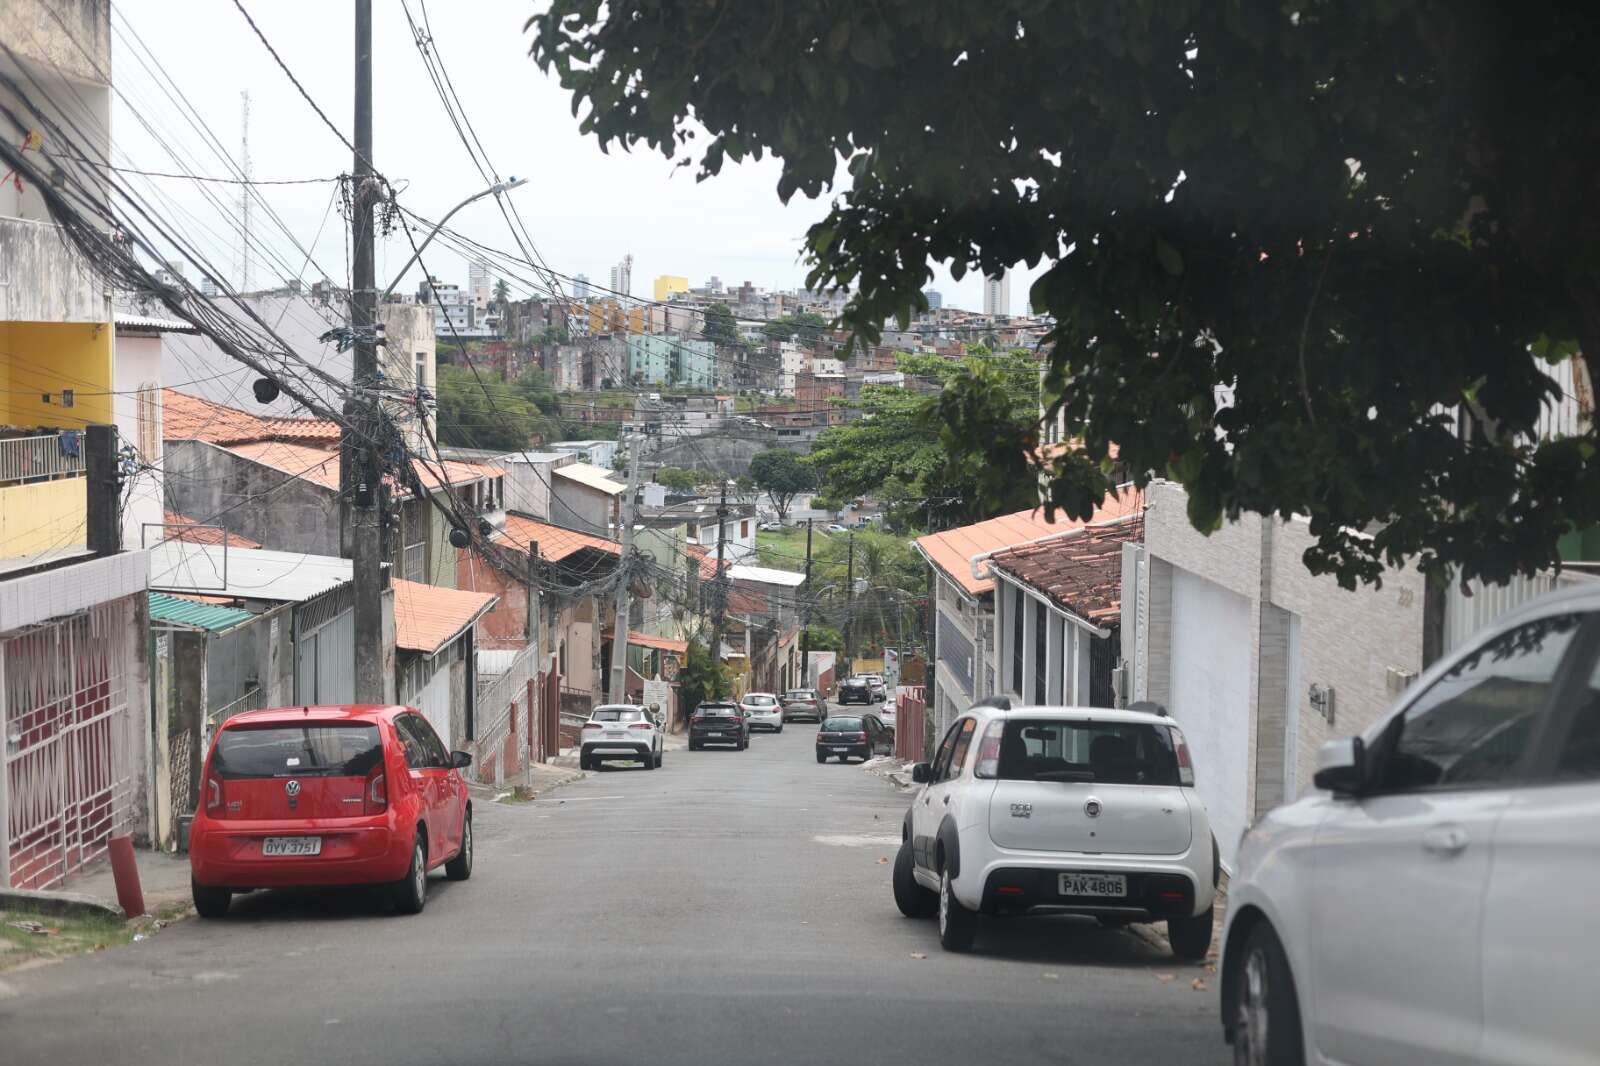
x: 358, y: 460
x: 805, y: 618
x: 849, y: 605
x: 619, y: 641
x: 719, y: 596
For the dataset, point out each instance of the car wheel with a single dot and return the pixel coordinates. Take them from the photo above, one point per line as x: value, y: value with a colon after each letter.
x: 779, y: 729
x: 958, y: 927
x: 584, y: 762
x: 821, y: 758
x: 649, y: 760
x: 1263, y: 1006
x: 1191, y: 937
x: 411, y: 891
x: 661, y: 759
x: 460, y: 867
x: 913, y: 900
x: 210, y: 902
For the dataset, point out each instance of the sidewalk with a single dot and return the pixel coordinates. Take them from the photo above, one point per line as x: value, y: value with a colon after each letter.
x: 532, y: 783
x: 163, y: 878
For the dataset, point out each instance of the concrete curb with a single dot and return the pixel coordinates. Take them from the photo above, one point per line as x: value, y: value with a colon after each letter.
x: 72, y: 904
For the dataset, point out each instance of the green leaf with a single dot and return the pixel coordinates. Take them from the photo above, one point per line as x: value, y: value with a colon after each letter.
x: 1168, y: 257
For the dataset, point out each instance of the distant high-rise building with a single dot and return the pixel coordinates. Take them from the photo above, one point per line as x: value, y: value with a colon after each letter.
x: 935, y: 299
x: 622, y: 277
x: 997, y: 296
x: 667, y: 284
x: 580, y: 287
x: 479, y: 282
x: 713, y: 285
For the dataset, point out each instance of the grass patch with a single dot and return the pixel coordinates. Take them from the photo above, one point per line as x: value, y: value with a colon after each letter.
x: 27, y: 936
x: 783, y: 551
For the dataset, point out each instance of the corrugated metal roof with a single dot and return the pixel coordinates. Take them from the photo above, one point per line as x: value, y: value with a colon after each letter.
x: 123, y: 320
x: 175, y: 610
x: 593, y: 476
x: 248, y: 573
x: 766, y: 575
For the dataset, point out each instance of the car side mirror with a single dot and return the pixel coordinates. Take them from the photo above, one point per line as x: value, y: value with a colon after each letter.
x: 921, y: 773
x: 460, y: 759
x: 1341, y: 766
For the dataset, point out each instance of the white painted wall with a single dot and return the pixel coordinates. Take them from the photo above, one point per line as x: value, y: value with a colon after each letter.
x: 1210, y: 697
x: 137, y: 366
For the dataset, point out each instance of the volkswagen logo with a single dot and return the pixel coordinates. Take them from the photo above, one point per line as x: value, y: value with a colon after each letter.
x: 292, y: 788
x: 1091, y: 807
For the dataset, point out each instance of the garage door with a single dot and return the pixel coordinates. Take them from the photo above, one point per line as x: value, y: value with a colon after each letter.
x: 1210, y: 697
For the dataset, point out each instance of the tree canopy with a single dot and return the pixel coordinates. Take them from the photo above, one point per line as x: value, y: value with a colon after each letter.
x: 720, y: 327
x: 677, y: 479
x: 481, y: 411
x: 782, y: 475
x: 944, y: 459
x: 1302, y: 257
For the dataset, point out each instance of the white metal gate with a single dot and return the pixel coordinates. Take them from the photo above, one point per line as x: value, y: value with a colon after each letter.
x: 72, y: 743
x: 324, y: 662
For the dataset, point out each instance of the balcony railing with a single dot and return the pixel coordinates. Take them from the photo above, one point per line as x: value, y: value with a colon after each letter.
x: 25, y: 459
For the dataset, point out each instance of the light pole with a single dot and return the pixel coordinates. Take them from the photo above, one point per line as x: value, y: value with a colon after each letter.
x: 494, y: 190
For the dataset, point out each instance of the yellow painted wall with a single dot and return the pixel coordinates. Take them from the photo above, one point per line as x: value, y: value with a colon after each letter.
x: 667, y: 284
x: 42, y: 515
x: 47, y: 357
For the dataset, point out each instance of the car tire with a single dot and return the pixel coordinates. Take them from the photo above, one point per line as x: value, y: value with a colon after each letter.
x: 411, y: 891
x: 1263, y: 1006
x: 778, y: 730
x: 913, y: 900
x: 1191, y: 937
x: 460, y: 867
x: 821, y: 758
x: 584, y: 762
x: 661, y: 759
x: 649, y: 760
x: 210, y: 902
x: 958, y: 927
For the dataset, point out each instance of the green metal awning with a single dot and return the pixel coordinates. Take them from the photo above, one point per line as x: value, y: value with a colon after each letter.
x: 176, y: 610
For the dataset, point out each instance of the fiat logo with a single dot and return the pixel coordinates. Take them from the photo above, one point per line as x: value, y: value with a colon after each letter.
x: 292, y: 788
x: 1091, y: 807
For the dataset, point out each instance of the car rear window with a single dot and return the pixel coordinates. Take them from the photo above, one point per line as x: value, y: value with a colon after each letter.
x: 855, y: 682
x: 842, y: 725
x: 616, y: 714
x: 1114, y: 753
x: 309, y: 750
x: 717, y: 711
x: 797, y: 694
x: 761, y: 701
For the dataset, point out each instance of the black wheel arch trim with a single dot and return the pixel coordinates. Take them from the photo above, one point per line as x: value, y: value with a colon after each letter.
x: 950, y: 841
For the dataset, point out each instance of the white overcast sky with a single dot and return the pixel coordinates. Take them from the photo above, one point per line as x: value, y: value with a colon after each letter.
x: 585, y: 209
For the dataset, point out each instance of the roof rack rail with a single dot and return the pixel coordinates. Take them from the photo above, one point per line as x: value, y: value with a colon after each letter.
x: 999, y: 703
x: 1149, y: 707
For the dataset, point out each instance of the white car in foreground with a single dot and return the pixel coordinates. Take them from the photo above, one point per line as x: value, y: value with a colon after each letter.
x: 763, y: 710
x: 1431, y: 900
x: 620, y: 731
x: 1077, y: 810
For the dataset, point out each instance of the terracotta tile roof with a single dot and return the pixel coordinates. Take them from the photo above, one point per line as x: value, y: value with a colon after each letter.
x: 645, y: 640
x: 952, y: 550
x: 184, y: 528
x: 427, y: 617
x: 321, y: 465
x: 1080, y: 573
x: 555, y: 543
x: 318, y: 465
x: 708, y: 562
x: 185, y: 417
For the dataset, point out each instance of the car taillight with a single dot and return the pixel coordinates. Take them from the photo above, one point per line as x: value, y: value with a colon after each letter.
x: 377, y: 795
x: 858, y: 736
x: 213, y: 794
x: 593, y: 725
x: 1185, y: 764
x: 640, y: 725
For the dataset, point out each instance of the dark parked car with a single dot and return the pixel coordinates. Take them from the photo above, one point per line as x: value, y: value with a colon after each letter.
x: 804, y: 703
x: 718, y: 723
x: 855, y: 690
x: 861, y: 736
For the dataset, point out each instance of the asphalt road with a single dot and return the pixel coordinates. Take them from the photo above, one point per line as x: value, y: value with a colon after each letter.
x: 728, y: 908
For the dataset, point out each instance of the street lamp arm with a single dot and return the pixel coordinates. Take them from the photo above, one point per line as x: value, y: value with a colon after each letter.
x: 496, y: 189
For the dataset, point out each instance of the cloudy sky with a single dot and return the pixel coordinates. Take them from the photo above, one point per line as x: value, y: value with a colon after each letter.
x: 584, y: 209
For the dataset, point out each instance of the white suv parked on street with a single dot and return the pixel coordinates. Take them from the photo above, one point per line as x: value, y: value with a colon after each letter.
x: 1077, y: 810
x: 1431, y: 900
x: 763, y: 711
x: 620, y: 731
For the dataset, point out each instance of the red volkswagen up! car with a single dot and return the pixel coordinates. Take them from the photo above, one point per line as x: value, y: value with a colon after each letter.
x: 304, y: 796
